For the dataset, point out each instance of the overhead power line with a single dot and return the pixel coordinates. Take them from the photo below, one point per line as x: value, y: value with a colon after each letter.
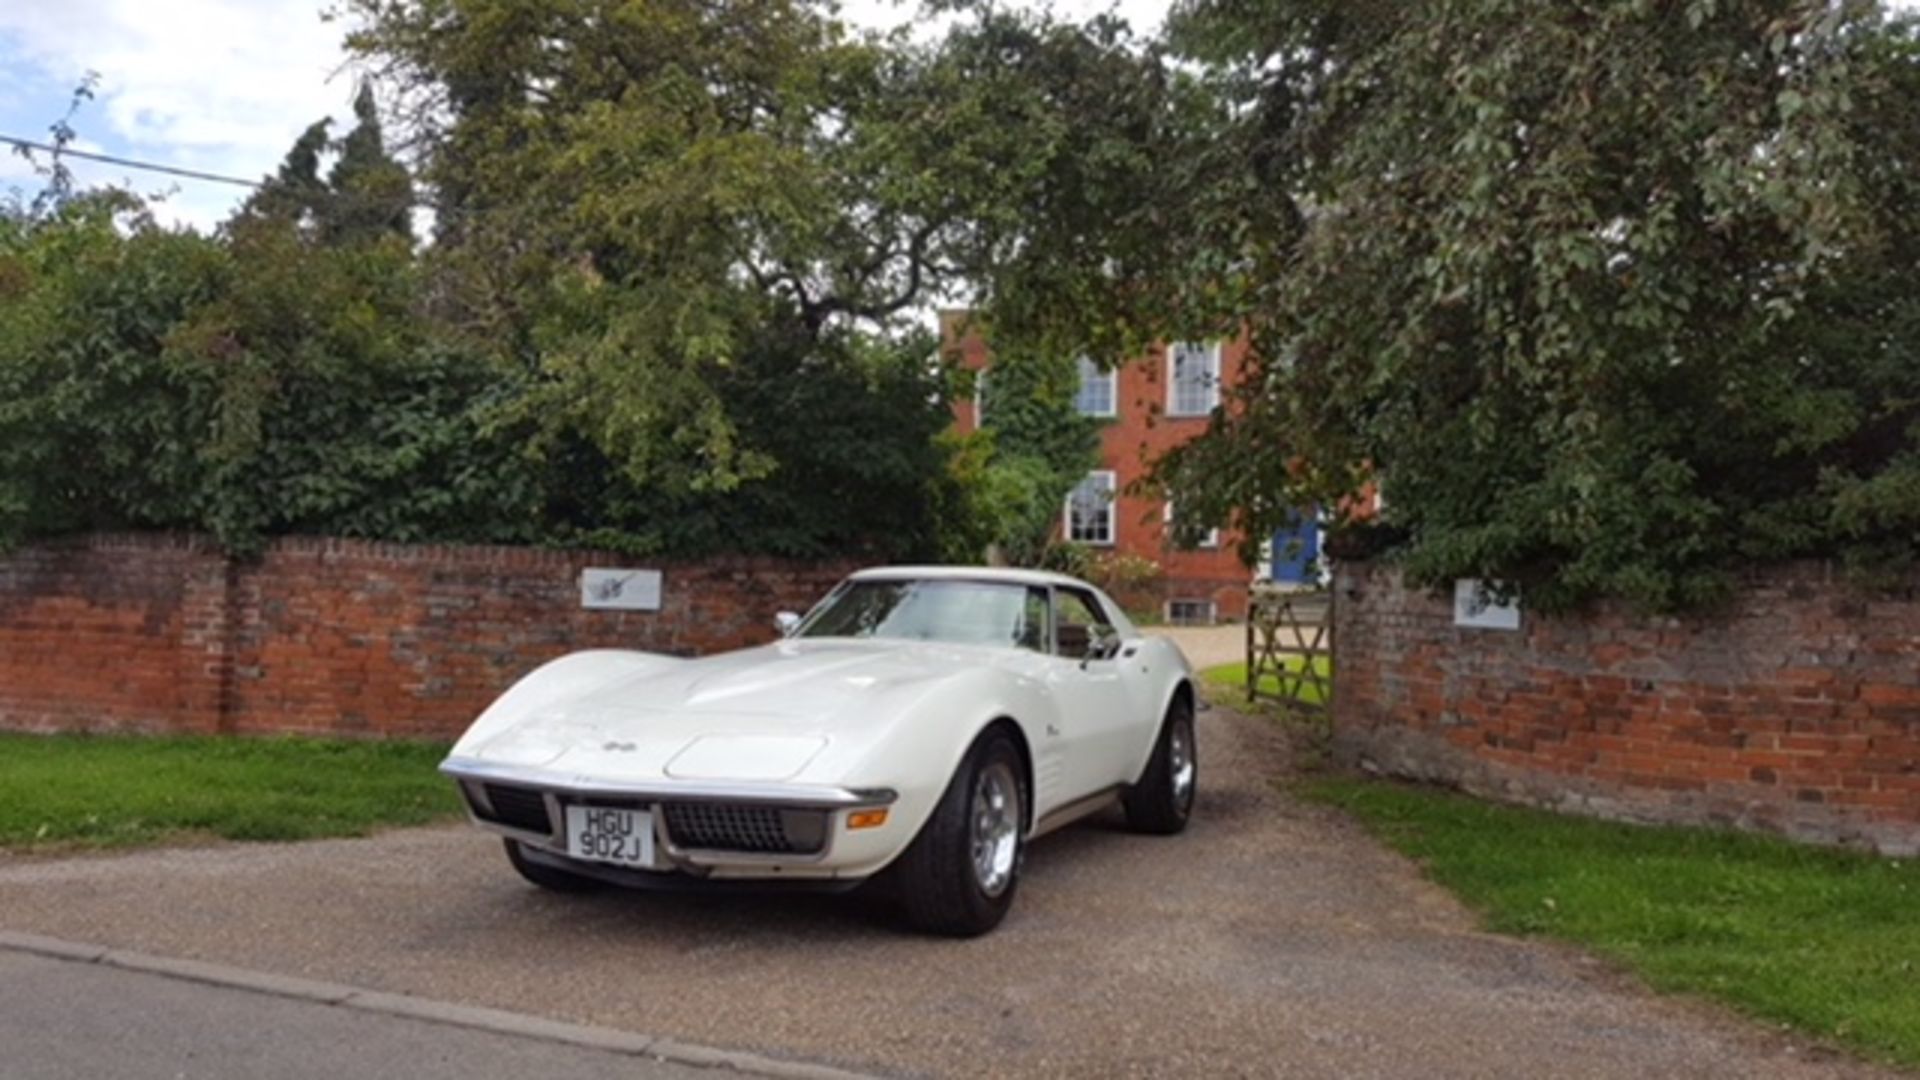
x: 109, y: 159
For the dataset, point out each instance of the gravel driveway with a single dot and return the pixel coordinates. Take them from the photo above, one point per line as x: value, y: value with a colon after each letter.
x: 1206, y: 646
x: 1273, y: 939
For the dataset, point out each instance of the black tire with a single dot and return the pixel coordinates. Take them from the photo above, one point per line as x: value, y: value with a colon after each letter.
x: 939, y: 878
x: 1161, y: 801
x: 548, y: 877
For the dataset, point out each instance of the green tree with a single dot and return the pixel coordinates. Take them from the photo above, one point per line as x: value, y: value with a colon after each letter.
x: 331, y: 404
x: 1613, y: 298
x: 860, y: 467
x: 364, y: 196
x: 637, y: 195
x: 295, y: 191
x: 92, y: 430
x: 246, y: 386
x: 333, y: 408
x: 372, y: 193
x: 646, y: 207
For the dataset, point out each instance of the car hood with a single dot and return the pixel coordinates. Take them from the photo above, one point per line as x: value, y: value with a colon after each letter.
x: 757, y: 715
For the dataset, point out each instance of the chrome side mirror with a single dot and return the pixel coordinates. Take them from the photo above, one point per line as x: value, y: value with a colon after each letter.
x: 1103, y: 643
x: 786, y: 622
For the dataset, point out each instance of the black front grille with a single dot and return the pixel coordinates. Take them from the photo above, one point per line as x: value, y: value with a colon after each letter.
x: 517, y: 807
x: 767, y: 830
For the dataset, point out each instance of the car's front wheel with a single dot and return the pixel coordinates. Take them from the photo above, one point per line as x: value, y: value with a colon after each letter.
x: 547, y: 877
x: 958, y: 877
x: 1162, y: 800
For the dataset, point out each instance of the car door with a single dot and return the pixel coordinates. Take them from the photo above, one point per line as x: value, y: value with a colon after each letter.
x: 1095, y: 703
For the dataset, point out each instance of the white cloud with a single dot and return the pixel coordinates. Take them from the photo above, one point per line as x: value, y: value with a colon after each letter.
x: 220, y: 85
x: 15, y: 171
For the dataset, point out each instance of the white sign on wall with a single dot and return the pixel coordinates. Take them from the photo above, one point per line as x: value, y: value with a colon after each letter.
x: 1478, y: 604
x: 620, y: 590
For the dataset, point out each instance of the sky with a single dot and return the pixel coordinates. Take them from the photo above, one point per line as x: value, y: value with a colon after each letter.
x: 221, y: 86
x: 225, y: 86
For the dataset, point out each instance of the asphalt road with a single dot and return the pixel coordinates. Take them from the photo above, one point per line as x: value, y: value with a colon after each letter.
x: 65, y: 1021
x: 1273, y: 939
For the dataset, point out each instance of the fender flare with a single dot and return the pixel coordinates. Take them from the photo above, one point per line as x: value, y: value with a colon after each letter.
x: 994, y: 705
x: 1182, y: 684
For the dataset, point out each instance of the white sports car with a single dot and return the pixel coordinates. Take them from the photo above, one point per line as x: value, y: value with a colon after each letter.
x: 927, y: 722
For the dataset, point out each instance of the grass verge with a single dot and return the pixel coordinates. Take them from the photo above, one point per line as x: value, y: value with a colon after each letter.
x: 118, y: 790
x: 1824, y: 941
x: 1233, y: 677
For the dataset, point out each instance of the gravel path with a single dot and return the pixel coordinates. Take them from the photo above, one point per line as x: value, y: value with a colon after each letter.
x: 1273, y: 939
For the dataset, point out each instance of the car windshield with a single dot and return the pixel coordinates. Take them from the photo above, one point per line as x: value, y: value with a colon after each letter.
x: 961, y: 612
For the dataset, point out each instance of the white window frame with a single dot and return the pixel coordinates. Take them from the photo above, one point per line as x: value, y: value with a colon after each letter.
x: 1090, y: 373
x: 1212, y: 351
x: 1113, y: 505
x: 1210, y: 541
x: 1213, y: 611
x: 979, y: 398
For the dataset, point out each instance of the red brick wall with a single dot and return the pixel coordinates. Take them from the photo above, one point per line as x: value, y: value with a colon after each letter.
x: 334, y: 636
x: 112, y: 633
x: 1130, y: 443
x: 1796, y: 710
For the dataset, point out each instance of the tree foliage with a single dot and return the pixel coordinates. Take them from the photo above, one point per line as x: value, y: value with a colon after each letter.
x: 366, y: 194
x: 638, y: 196
x: 655, y: 210
x: 246, y: 386
x: 669, y: 305
x: 1612, y: 298
x: 91, y: 434
x: 273, y: 378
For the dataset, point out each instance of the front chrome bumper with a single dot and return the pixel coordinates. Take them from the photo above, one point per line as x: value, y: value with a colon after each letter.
x: 797, y: 795
x: 559, y: 790
x: 676, y: 880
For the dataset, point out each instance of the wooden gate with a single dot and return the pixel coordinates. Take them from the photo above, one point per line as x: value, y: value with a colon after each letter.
x: 1290, y: 647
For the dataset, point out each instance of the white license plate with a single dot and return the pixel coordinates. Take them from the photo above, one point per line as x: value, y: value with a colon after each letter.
x: 610, y: 835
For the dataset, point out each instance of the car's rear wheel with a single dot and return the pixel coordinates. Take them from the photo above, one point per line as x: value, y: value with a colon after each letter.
x: 959, y: 875
x: 548, y: 877
x: 1161, y: 801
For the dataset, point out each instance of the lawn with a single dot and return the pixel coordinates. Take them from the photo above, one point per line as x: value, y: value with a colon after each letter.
x: 115, y: 790
x: 1826, y: 941
x: 1234, y: 677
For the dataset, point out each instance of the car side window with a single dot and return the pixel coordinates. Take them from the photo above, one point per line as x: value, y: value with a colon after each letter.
x: 1035, y: 621
x: 1078, y: 621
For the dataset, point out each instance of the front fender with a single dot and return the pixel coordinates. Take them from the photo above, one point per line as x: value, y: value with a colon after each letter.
x: 1172, y: 675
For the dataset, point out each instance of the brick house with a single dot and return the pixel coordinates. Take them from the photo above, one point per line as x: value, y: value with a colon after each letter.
x: 1150, y: 406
